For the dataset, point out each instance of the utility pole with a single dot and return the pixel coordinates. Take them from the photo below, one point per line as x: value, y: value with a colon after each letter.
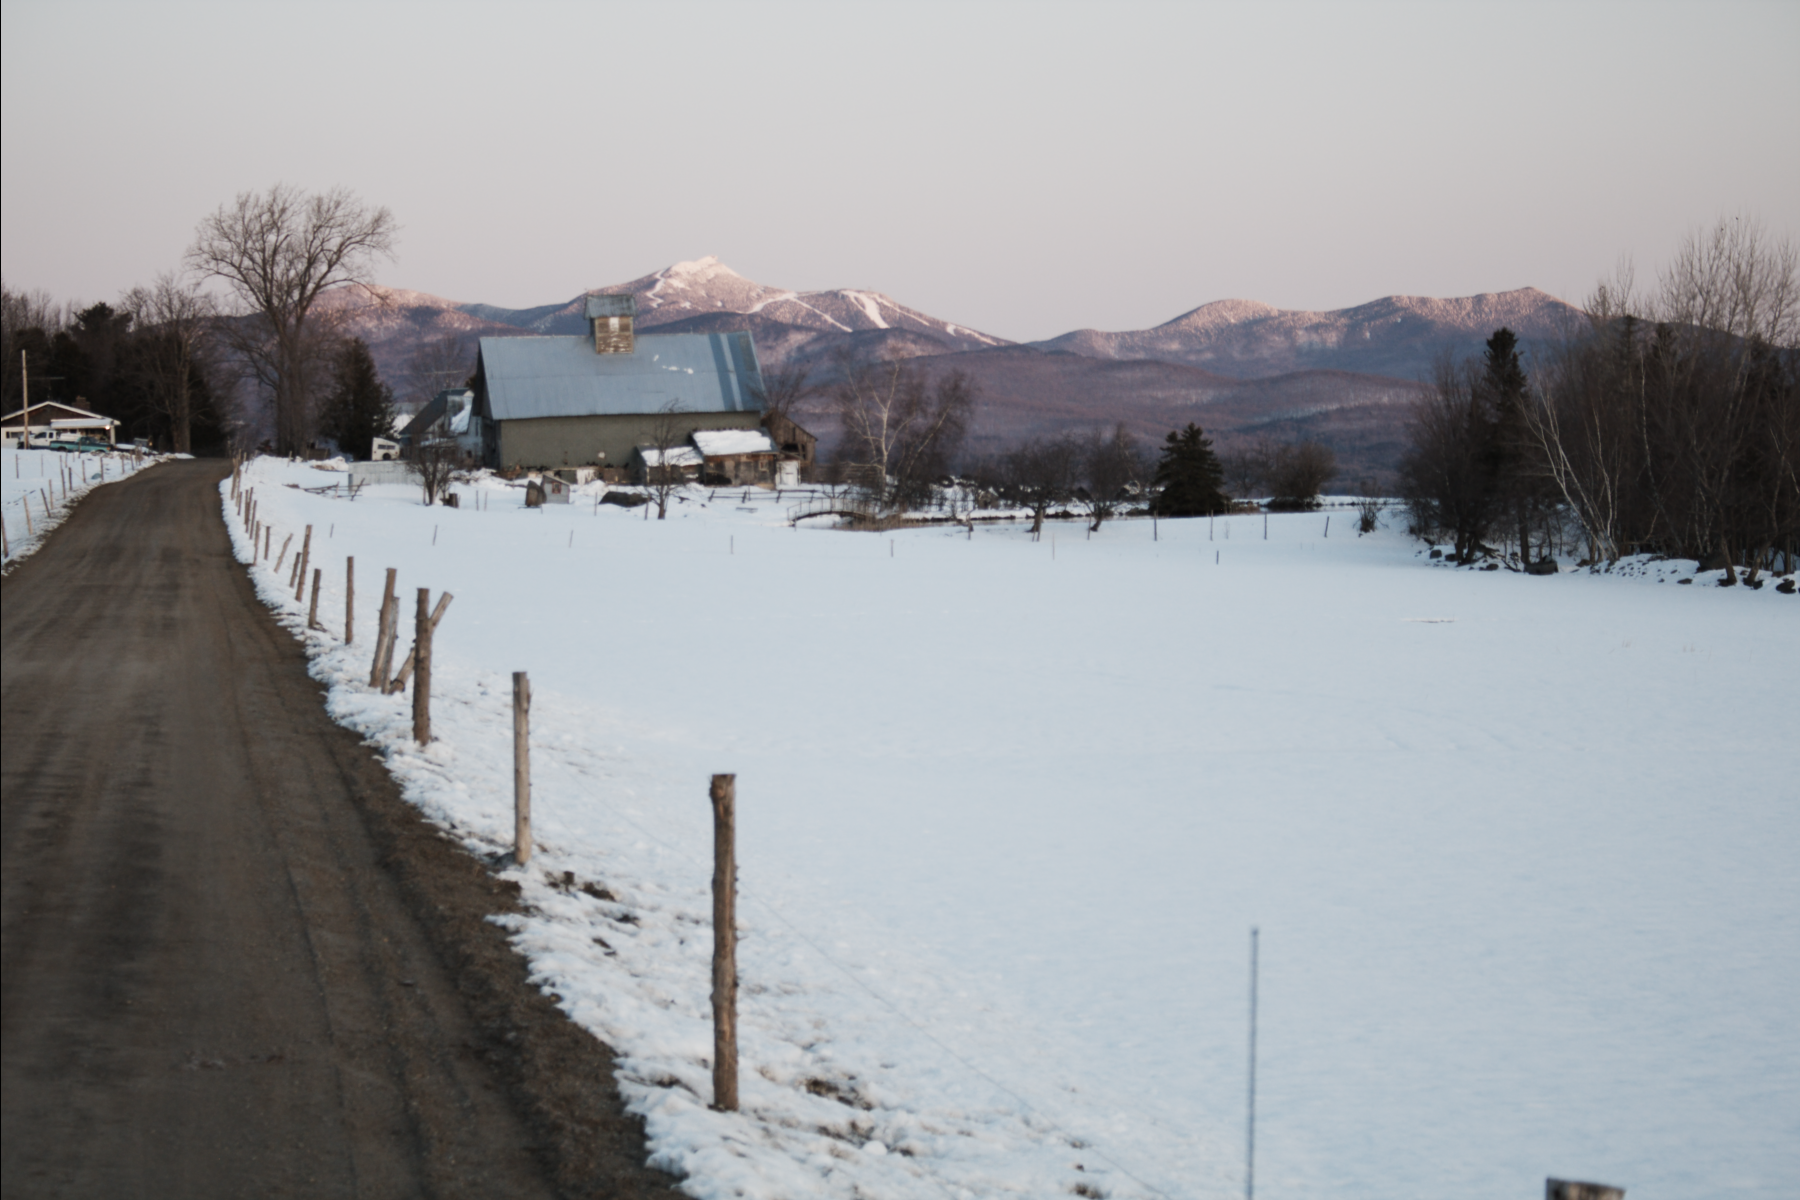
x: 1250, y: 1119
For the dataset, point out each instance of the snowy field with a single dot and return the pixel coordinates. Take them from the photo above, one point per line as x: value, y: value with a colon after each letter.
x: 1522, y: 850
x: 37, y: 487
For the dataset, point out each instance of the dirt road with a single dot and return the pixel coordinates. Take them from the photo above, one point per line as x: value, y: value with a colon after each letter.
x: 235, y: 964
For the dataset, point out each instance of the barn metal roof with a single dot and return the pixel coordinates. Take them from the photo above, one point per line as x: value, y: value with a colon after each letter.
x: 562, y: 376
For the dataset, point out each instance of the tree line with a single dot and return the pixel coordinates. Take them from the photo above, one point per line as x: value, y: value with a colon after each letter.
x: 1667, y: 423
x: 184, y: 366
x: 148, y: 362
x: 903, y: 429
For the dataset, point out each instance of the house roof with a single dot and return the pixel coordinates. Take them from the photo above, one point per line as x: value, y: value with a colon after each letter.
x: 435, y: 410
x: 531, y: 377
x: 716, y: 443
x: 41, y: 410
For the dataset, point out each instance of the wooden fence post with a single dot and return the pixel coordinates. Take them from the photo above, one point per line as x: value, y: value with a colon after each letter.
x: 521, y: 768
x: 305, y: 558
x: 422, y: 669
x: 406, y: 668
x: 383, y: 635
x: 724, y: 991
x: 285, y: 543
x: 312, y: 614
x: 349, y: 599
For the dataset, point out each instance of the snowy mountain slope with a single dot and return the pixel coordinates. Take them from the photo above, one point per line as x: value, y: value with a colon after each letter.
x: 1396, y: 335
x: 672, y: 299
x: 1027, y: 392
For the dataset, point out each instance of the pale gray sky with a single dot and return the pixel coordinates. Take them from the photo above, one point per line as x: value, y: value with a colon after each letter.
x: 1025, y: 169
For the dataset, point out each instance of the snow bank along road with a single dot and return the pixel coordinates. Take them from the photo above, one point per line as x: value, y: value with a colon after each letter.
x: 212, y: 986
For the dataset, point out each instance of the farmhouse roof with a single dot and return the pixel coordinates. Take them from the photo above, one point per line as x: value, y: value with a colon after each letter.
x: 562, y: 376
x: 41, y: 410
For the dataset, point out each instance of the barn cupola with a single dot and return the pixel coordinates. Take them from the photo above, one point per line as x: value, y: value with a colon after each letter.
x: 610, y: 318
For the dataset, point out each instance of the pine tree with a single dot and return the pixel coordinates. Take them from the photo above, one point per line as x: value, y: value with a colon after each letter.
x: 1503, y: 380
x: 1189, y: 479
x: 360, y: 407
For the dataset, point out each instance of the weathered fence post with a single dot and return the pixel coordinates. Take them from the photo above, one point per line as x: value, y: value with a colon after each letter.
x: 422, y: 669
x: 406, y: 668
x: 282, y: 557
x: 349, y: 599
x: 521, y: 768
x: 305, y: 557
x: 312, y: 613
x: 377, y: 672
x: 724, y: 991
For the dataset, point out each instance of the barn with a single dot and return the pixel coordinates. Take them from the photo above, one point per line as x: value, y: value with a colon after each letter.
x: 544, y: 402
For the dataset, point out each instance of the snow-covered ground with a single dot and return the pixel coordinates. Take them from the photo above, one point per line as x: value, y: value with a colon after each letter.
x: 37, y: 487
x: 1521, y: 850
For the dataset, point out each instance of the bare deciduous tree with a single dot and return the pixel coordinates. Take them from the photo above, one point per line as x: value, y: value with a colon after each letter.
x: 1242, y: 468
x: 431, y: 463
x: 437, y: 364
x: 783, y: 388
x: 1296, y: 471
x: 28, y: 321
x: 1672, y: 423
x: 902, y: 425
x: 175, y: 330
x: 1041, y: 474
x: 1447, y: 474
x: 277, y: 252
x: 663, y: 470
x: 1110, y: 465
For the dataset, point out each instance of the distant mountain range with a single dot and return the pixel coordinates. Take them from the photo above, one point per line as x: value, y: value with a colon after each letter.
x: 1237, y: 367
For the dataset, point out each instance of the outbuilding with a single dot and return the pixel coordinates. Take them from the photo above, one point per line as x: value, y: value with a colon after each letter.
x: 737, y: 456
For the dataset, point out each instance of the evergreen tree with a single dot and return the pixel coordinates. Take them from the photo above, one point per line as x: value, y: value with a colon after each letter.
x: 360, y: 407
x: 1189, y: 479
x: 1520, y: 489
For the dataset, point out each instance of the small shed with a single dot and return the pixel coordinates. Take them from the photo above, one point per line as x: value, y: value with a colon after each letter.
x: 737, y: 456
x: 683, y: 458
